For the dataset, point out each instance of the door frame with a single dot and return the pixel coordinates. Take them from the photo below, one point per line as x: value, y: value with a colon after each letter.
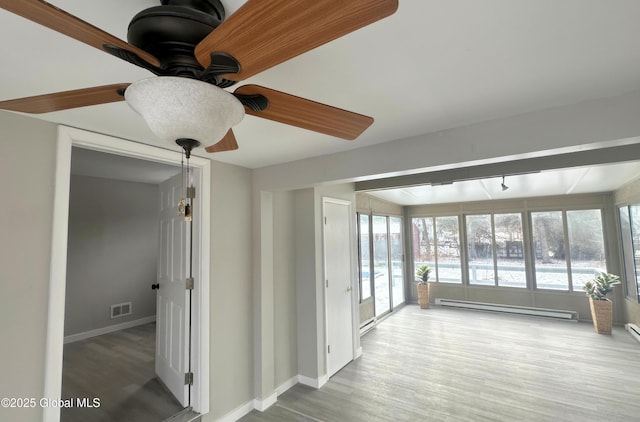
x: 354, y: 321
x: 67, y: 138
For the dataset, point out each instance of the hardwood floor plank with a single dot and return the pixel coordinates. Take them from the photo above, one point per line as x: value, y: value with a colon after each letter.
x: 118, y: 368
x: 460, y: 365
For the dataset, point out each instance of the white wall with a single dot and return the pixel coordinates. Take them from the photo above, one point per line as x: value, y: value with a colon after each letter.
x: 27, y: 160
x: 112, y: 252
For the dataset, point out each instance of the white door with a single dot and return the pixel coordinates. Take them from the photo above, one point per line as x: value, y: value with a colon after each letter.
x: 338, y: 283
x: 172, y: 322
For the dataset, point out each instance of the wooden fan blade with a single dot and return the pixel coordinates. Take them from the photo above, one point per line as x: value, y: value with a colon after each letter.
x: 228, y: 143
x: 307, y: 114
x: 66, y: 100
x: 262, y: 34
x: 45, y: 14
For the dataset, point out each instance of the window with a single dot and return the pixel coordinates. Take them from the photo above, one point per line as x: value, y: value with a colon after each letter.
x: 364, y: 256
x: 381, y: 261
x: 480, y: 250
x: 436, y: 243
x: 381, y: 264
x: 548, y: 245
x: 509, y: 242
x: 630, y: 236
x: 449, y: 268
x: 586, y: 246
x: 634, y: 215
x: 566, y: 248
x: 397, y: 260
x: 495, y: 250
x: 627, y: 252
x: 424, y: 244
x: 584, y: 241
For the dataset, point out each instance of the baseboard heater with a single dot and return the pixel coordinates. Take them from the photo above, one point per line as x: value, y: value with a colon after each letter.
x: 521, y: 310
x: 634, y: 330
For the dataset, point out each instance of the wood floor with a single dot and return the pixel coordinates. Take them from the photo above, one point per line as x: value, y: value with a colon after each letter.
x: 460, y: 365
x: 117, y: 368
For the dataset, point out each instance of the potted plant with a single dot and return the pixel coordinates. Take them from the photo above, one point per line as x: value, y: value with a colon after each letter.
x: 601, y: 307
x: 422, y: 279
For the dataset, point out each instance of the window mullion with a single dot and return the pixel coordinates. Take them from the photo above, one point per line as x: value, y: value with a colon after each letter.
x: 567, y: 249
x: 494, y: 250
x: 435, y: 248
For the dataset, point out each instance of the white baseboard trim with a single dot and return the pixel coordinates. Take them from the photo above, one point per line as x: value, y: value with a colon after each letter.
x: 282, y: 388
x: 237, y: 413
x: 358, y: 352
x: 313, y: 382
x: 634, y: 330
x: 110, y: 329
x: 265, y: 403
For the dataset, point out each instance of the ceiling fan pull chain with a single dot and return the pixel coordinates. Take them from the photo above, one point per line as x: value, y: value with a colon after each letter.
x: 187, y: 208
x: 182, y: 203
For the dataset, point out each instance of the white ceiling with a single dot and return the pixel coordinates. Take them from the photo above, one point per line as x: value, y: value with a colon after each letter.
x: 601, y: 178
x: 433, y: 65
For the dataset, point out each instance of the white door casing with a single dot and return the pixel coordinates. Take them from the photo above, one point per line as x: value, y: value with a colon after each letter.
x: 338, y: 283
x: 68, y: 137
x: 172, y: 304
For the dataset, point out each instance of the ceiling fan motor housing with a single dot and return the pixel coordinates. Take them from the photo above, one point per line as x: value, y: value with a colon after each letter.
x: 170, y: 32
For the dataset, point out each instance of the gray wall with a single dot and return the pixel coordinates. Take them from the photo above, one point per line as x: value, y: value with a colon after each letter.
x: 306, y: 258
x: 231, y: 303
x: 27, y: 165
x: 284, y: 274
x: 112, y: 251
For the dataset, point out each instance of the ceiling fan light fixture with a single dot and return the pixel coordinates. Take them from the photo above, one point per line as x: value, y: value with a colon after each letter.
x: 177, y: 108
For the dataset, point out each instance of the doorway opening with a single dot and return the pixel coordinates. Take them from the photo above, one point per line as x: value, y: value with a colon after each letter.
x: 195, y: 351
x: 113, y: 265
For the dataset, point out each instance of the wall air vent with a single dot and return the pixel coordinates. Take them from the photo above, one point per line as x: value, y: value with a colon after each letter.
x: 120, y: 310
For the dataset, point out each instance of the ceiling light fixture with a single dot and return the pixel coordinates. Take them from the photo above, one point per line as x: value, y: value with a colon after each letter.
x: 504, y: 187
x: 177, y: 108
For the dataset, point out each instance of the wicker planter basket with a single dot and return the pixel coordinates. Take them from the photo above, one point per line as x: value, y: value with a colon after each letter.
x: 423, y: 295
x: 601, y: 313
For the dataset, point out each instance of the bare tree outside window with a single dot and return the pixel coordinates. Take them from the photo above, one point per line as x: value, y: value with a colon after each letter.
x: 548, y: 242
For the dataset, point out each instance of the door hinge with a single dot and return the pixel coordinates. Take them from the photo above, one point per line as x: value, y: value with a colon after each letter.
x: 327, y: 283
x: 191, y: 192
x: 329, y: 348
x: 190, y: 283
x: 188, y: 378
x: 325, y: 220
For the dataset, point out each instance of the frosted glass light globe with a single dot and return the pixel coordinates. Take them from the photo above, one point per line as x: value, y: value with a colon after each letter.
x: 176, y: 108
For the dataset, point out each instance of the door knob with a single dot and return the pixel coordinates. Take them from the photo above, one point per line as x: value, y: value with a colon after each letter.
x: 155, y: 286
x: 349, y: 288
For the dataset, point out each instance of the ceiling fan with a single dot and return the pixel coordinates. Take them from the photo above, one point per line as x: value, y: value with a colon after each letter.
x: 190, y: 45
